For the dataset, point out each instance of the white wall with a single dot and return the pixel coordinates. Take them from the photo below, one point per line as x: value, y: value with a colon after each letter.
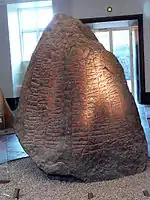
x: 18, y: 66
x: 6, y: 75
x: 63, y: 6
x: 15, y: 47
x: 5, y: 65
x: 5, y: 2
x: 78, y: 9
x: 98, y: 8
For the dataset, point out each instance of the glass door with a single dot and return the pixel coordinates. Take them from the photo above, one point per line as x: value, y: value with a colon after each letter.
x: 120, y: 42
x: 121, y: 49
x: 135, y: 62
x: 104, y: 38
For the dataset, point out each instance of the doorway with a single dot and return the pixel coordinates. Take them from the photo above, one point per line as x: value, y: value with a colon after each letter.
x: 123, y: 36
x: 120, y: 37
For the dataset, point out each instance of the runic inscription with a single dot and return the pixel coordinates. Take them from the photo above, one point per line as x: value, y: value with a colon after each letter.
x: 76, y: 115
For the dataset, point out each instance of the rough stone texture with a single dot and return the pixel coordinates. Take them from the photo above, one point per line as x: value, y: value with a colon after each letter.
x: 76, y: 115
x: 6, y: 115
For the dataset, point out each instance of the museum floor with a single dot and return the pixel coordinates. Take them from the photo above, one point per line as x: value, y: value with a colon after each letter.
x: 12, y: 150
x: 33, y: 184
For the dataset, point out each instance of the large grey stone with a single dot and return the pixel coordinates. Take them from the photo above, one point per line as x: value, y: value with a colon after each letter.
x: 76, y: 115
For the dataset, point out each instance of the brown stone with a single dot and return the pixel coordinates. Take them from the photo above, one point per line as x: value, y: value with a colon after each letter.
x: 76, y: 115
x: 90, y: 195
x: 146, y: 193
x: 6, y: 115
x: 16, y: 194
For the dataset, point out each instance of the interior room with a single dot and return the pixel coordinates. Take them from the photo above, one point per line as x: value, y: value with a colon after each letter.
x: 122, y: 31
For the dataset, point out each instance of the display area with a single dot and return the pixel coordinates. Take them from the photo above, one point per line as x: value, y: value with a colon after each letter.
x: 76, y: 115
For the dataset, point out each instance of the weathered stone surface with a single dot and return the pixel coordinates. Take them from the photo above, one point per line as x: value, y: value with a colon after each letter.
x: 76, y: 115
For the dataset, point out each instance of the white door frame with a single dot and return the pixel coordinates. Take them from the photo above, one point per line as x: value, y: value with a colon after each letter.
x: 110, y: 30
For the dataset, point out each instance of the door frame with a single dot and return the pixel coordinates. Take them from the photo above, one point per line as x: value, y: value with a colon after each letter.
x: 129, y: 29
x: 143, y: 97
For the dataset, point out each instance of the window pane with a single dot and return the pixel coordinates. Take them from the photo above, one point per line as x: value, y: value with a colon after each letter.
x: 28, y: 19
x: 29, y: 44
x: 44, y: 17
x: 121, y: 49
x: 103, y: 38
x: 40, y: 34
